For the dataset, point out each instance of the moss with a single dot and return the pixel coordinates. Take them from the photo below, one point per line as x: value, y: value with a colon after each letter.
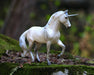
x: 7, y: 43
x: 43, y: 69
x: 6, y: 68
x: 47, y: 70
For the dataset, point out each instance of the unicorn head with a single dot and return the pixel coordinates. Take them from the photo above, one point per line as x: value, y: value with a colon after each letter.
x: 64, y: 18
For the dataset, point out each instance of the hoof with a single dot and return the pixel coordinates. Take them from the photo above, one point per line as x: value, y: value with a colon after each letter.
x: 33, y: 60
x: 22, y: 55
x: 49, y: 63
x: 58, y: 56
x: 37, y: 60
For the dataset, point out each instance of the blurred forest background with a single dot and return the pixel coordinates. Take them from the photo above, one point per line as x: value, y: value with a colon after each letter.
x: 16, y: 16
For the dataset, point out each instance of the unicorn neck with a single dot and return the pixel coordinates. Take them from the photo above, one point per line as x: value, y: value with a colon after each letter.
x: 53, y: 24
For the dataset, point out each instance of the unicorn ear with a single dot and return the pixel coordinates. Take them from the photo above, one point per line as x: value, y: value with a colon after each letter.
x: 72, y: 15
x: 66, y: 11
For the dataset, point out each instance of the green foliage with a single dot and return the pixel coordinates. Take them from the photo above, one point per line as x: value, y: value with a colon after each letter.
x: 32, y: 15
x: 48, y: 16
x: 73, y: 29
x: 7, y: 43
x: 57, y: 3
x: 42, y: 69
x: 43, y: 6
x: 89, y: 19
x: 62, y: 37
x: 81, y: 34
x: 87, y: 28
x: 76, y: 50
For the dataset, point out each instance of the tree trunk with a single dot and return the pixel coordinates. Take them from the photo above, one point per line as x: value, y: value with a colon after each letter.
x: 18, y: 18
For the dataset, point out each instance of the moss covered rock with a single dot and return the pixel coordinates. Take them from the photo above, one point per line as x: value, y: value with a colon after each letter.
x: 7, y: 43
x: 42, y: 69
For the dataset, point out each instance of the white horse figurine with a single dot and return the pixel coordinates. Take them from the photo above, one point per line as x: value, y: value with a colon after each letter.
x: 48, y: 34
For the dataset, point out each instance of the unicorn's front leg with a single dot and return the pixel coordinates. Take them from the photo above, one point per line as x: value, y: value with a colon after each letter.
x: 61, y: 45
x: 48, y: 50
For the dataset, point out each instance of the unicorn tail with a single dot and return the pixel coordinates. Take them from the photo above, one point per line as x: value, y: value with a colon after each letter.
x: 22, y: 42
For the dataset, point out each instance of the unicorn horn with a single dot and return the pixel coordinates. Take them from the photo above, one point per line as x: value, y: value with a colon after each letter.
x: 72, y: 15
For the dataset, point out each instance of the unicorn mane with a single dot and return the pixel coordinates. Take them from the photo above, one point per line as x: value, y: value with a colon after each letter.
x: 54, y: 16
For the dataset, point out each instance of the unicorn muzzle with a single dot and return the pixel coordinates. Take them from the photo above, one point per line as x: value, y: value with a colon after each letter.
x: 68, y: 26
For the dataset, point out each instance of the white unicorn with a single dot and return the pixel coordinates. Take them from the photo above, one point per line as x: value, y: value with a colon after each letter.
x: 48, y: 34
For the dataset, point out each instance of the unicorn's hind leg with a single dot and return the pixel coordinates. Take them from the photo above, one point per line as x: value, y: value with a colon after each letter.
x: 23, y: 47
x: 30, y: 50
x: 37, y: 46
x: 24, y: 53
x: 62, y: 46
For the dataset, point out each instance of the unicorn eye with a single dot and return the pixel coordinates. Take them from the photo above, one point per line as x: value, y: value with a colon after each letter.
x: 66, y: 17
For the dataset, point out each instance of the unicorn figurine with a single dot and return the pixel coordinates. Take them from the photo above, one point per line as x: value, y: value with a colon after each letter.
x: 48, y: 34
